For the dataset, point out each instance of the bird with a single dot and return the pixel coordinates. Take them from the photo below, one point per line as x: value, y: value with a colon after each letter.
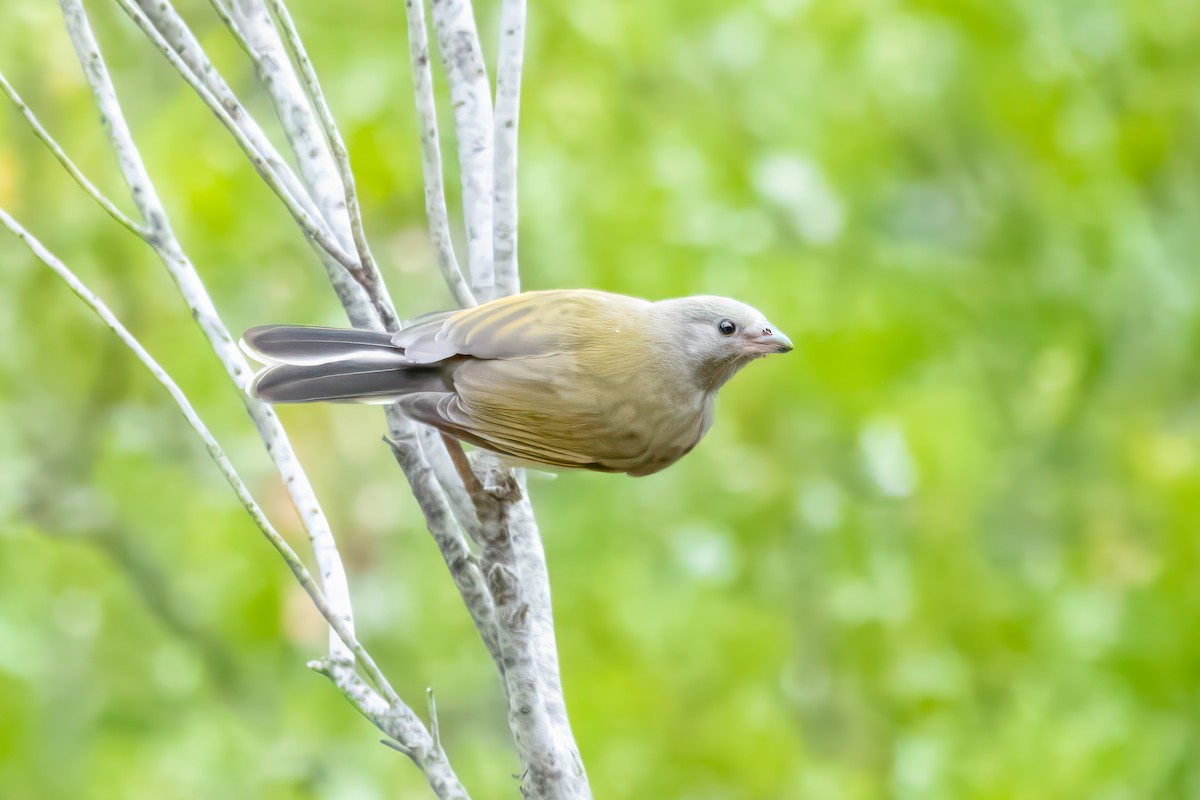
x: 564, y: 379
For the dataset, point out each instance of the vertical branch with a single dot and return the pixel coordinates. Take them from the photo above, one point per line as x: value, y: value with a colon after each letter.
x: 431, y: 155
x: 514, y: 563
x: 508, y: 109
x: 440, y: 519
x: 470, y: 95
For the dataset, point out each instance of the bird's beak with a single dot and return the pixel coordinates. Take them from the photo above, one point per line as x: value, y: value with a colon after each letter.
x: 773, y: 341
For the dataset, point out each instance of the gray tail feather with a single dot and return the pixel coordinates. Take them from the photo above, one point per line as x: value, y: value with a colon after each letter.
x: 301, y: 345
x: 349, y: 381
x: 309, y: 365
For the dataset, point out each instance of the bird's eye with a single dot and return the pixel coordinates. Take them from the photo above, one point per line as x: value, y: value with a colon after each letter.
x: 727, y: 327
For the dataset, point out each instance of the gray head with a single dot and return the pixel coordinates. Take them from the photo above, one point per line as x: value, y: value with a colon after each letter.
x: 721, y: 335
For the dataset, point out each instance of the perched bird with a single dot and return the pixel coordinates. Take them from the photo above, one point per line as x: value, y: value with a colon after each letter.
x: 574, y: 378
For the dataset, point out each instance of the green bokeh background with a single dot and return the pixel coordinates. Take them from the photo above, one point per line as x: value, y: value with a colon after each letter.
x: 946, y: 549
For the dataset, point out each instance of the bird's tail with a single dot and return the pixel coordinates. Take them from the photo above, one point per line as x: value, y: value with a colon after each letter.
x: 333, y: 365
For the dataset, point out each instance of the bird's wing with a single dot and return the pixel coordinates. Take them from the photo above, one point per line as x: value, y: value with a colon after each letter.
x: 444, y: 411
x: 526, y: 325
x: 534, y: 384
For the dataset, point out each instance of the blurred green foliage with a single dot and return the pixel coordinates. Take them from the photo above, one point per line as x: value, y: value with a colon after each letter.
x: 947, y: 549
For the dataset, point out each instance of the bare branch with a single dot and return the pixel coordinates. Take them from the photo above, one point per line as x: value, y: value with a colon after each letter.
x: 67, y: 163
x: 391, y: 715
x: 250, y: 19
x: 458, y: 41
x: 162, y: 239
x: 513, y: 560
x: 401, y: 431
x: 431, y: 155
x: 508, y: 109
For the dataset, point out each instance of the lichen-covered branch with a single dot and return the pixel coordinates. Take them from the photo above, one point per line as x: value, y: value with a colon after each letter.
x: 470, y: 95
x: 508, y: 110
x: 431, y: 155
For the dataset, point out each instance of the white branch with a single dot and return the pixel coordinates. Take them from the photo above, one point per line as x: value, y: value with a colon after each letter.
x: 333, y: 139
x: 431, y: 155
x: 441, y: 521
x: 530, y: 558
x: 513, y: 560
x: 514, y: 564
x: 508, y: 109
x: 471, y: 97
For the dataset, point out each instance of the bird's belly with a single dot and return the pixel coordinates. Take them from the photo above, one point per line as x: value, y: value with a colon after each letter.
x: 611, y: 422
x: 646, y: 433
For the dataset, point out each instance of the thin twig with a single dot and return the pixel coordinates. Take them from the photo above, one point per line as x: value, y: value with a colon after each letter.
x: 303, y: 576
x: 433, y: 720
x: 69, y: 165
x: 431, y: 155
x: 508, y: 109
x: 175, y: 31
x: 226, y: 16
x: 354, y: 297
